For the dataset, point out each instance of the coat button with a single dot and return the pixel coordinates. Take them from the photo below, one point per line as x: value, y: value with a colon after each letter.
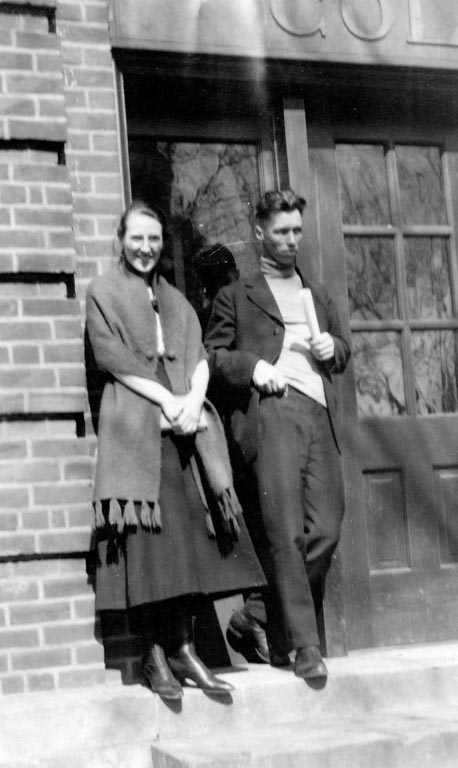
x: 276, y: 331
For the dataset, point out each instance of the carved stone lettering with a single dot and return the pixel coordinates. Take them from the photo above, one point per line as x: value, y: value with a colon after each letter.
x: 432, y: 24
x: 367, y: 19
x: 299, y: 17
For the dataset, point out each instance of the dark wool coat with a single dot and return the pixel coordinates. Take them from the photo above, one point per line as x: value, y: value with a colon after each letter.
x: 245, y: 327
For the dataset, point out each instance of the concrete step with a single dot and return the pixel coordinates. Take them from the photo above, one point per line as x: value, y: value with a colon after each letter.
x: 419, y: 738
x: 113, y: 726
x: 414, y: 739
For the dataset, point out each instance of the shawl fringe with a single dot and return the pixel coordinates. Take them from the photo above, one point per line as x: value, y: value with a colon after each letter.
x: 212, y: 475
x: 210, y: 527
x: 115, y: 516
x: 203, y: 496
x: 130, y: 518
x: 230, y: 508
x: 99, y: 520
x: 120, y: 513
x: 150, y: 515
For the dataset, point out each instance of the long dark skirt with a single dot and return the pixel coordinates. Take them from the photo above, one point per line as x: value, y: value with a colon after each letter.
x: 142, y: 566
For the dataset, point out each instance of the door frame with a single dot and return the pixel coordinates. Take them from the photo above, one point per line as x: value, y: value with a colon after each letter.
x: 296, y: 150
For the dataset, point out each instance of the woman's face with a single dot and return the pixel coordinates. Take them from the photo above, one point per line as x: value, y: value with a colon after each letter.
x: 142, y: 242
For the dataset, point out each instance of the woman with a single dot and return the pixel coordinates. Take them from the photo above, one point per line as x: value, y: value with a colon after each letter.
x: 163, y: 484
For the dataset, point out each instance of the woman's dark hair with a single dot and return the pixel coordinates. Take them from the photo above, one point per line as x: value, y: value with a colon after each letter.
x: 279, y: 201
x: 137, y: 206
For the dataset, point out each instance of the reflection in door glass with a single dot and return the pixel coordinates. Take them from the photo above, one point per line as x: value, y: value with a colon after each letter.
x: 378, y: 373
x: 428, y: 277
x: 435, y: 370
x: 208, y: 190
x: 363, y: 184
x: 215, y: 187
x: 420, y: 185
x: 371, y: 278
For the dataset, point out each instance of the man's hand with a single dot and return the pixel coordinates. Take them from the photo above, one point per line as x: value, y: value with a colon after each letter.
x: 267, y: 379
x: 323, y: 347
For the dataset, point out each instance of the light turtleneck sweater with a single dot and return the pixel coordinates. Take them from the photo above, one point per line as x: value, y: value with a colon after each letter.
x: 296, y: 362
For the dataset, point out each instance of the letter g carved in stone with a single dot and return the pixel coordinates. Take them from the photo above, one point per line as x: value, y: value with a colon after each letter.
x: 367, y: 19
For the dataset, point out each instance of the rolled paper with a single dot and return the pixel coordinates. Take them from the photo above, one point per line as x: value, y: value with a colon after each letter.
x: 310, y: 314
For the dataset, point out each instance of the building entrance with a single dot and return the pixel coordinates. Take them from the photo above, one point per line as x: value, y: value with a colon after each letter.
x: 381, y: 227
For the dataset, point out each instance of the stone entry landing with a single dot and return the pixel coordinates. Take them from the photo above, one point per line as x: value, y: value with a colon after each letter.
x: 381, y: 708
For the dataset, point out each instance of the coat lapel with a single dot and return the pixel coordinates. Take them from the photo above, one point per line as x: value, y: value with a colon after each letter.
x: 260, y: 294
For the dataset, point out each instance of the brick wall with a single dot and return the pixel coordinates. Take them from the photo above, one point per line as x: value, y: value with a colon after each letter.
x: 60, y: 194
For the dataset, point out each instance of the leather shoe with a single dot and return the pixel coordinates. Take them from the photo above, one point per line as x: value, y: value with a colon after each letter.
x: 158, y: 675
x: 246, y: 636
x: 186, y: 665
x: 309, y: 663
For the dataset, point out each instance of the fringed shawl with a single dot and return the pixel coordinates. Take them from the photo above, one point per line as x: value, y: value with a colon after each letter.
x: 121, y: 328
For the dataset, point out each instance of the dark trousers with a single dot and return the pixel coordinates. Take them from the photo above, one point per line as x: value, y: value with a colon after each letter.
x: 301, y: 505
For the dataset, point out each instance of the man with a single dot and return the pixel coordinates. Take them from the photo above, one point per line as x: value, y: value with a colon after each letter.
x: 284, y: 431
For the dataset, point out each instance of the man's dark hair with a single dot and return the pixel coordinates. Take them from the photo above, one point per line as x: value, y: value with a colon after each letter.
x: 279, y: 201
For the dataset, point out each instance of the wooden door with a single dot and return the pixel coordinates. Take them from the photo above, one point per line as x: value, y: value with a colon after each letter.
x: 387, y: 204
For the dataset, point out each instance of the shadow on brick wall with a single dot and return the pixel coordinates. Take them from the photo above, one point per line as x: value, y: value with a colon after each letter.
x: 120, y: 633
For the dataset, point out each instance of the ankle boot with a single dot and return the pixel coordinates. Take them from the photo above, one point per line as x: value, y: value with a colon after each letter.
x: 186, y: 665
x: 158, y: 675
x: 182, y: 657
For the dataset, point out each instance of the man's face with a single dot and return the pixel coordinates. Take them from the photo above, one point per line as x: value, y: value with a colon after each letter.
x: 280, y: 235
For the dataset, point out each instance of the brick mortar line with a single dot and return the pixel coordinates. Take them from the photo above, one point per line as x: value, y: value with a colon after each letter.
x: 60, y: 22
x: 65, y: 43
x: 88, y: 67
x: 45, y: 74
x: 70, y: 90
x: 36, y: 557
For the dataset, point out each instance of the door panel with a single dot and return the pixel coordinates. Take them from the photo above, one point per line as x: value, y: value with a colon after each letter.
x: 396, y: 225
x: 446, y: 480
x: 386, y: 520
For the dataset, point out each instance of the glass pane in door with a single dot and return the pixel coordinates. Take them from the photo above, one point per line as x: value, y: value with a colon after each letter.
x: 208, y: 191
x: 420, y: 185
x: 215, y: 187
x: 371, y: 279
x: 428, y: 277
x: 363, y: 184
x: 435, y: 370
x: 379, y: 376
